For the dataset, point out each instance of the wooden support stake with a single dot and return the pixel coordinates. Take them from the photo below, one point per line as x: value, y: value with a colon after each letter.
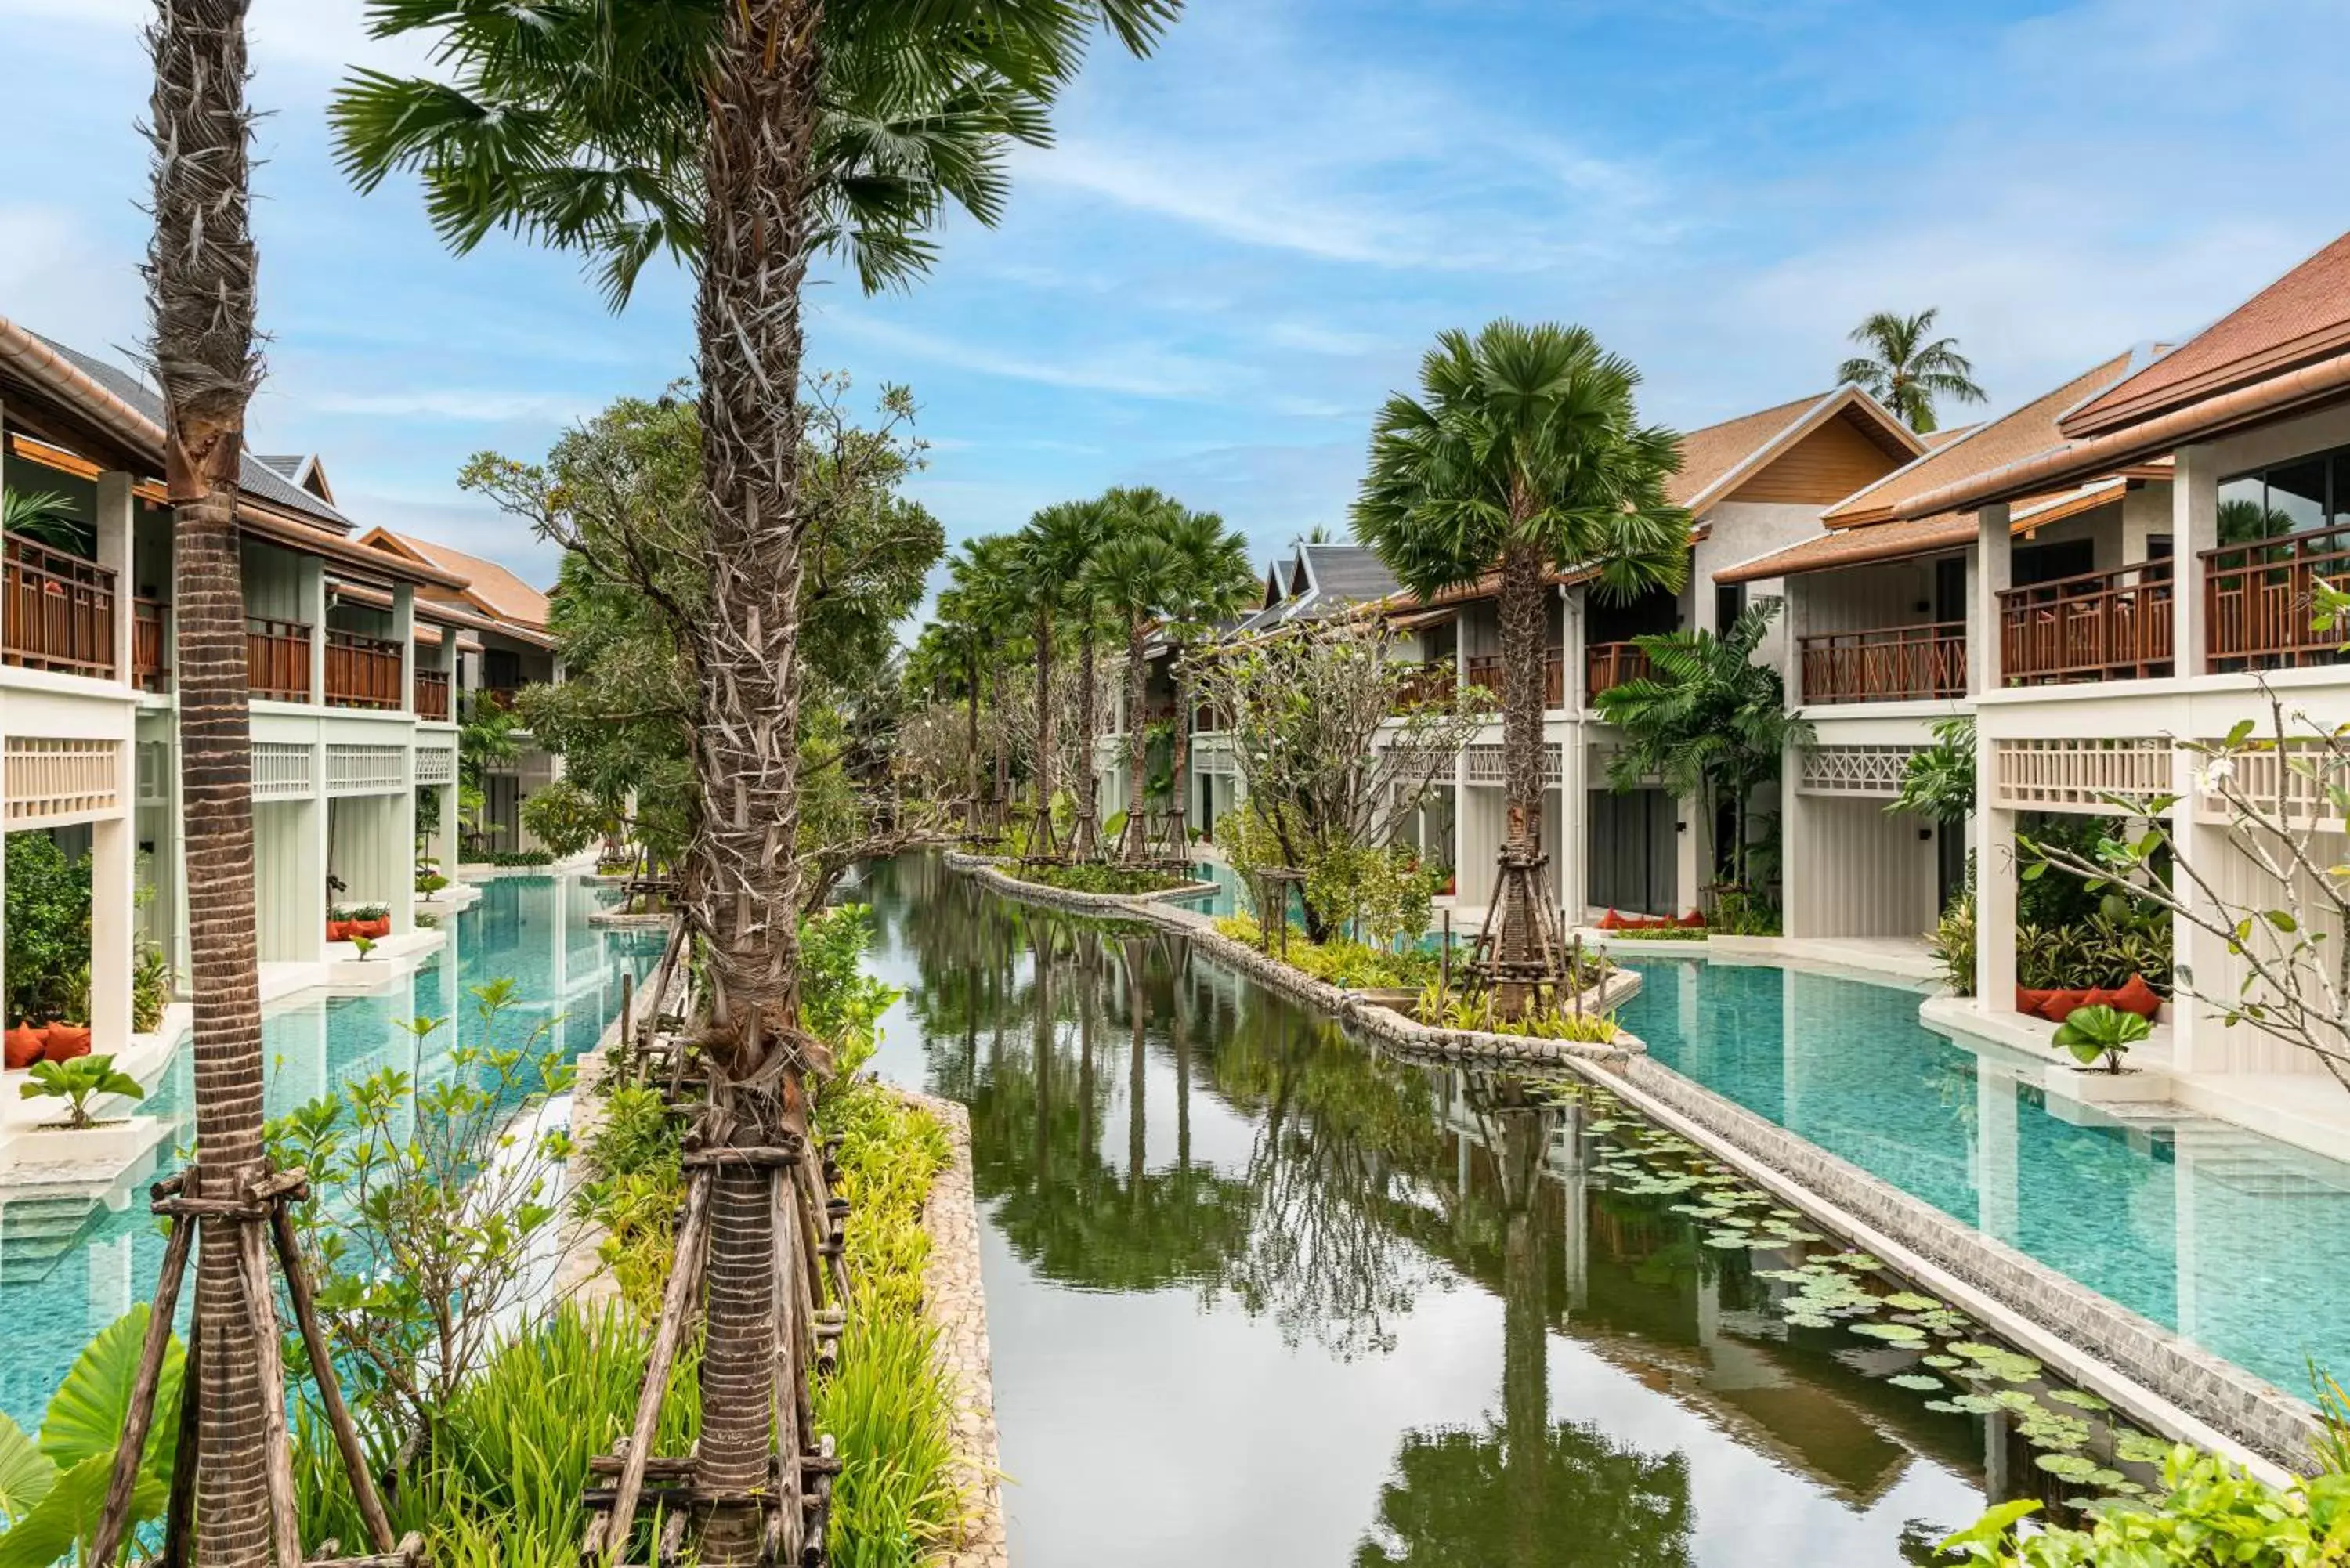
x: 130, y: 1451
x: 330, y: 1388
x: 180, y: 1512
x: 677, y: 1314
x: 791, y: 1359
x: 261, y: 1317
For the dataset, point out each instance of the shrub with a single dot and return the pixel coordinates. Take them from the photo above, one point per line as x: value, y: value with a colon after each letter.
x: 77, y: 1082
x: 47, y: 930
x: 1354, y: 966
x: 2101, y: 951
x: 2209, y: 1512
x: 517, y: 857
x: 2100, y: 1031
x: 151, y: 987
x: 1953, y: 942
x: 1124, y: 881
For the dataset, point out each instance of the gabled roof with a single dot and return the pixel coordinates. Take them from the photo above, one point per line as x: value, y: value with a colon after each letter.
x: 2030, y: 429
x: 1716, y: 459
x: 1904, y: 539
x: 495, y: 592
x: 305, y: 469
x: 2303, y: 315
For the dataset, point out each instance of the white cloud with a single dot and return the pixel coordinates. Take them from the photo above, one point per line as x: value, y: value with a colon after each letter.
x: 1141, y: 369
x: 455, y: 404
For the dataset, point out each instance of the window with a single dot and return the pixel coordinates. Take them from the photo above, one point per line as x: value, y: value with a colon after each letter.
x: 1728, y: 604
x: 2296, y: 497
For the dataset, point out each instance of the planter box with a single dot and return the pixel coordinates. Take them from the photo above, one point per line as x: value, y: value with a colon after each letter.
x: 2095, y: 1086
x: 109, y: 1149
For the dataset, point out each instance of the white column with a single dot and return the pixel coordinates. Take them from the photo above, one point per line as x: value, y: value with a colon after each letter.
x: 2199, y: 961
x: 114, y: 553
x: 1990, y: 574
x: 400, y: 853
x: 1994, y: 829
x: 313, y: 826
x: 403, y: 632
x: 313, y: 573
x: 2194, y: 528
x: 113, y: 874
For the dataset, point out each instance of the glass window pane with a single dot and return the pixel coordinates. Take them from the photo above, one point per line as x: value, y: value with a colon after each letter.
x: 2243, y: 512
x: 2341, y: 489
x: 2298, y: 490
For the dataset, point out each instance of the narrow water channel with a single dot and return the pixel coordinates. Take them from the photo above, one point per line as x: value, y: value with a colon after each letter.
x: 1261, y: 1295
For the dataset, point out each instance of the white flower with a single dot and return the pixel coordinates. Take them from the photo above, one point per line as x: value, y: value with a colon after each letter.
x: 2216, y: 775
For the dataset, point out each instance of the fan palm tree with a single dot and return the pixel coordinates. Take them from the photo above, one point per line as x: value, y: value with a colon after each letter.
x: 1524, y: 451
x: 745, y: 136
x: 988, y: 577
x: 1906, y: 372
x: 1708, y: 720
x: 1137, y: 575
x: 1215, y: 582
x: 960, y: 639
x: 201, y: 275
x: 1049, y: 566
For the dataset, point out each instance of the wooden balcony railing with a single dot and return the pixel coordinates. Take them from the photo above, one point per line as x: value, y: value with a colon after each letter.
x: 56, y: 611
x: 1486, y: 669
x: 2098, y: 626
x: 1607, y: 665
x: 500, y: 698
x: 2259, y: 601
x: 277, y: 660
x: 1426, y: 685
x: 151, y: 664
x: 362, y: 672
x: 432, y: 694
x: 1896, y: 664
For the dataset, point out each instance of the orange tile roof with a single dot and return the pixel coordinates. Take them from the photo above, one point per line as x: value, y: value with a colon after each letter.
x: 1861, y: 544
x: 1711, y: 453
x: 2030, y: 429
x: 496, y: 591
x: 2303, y: 315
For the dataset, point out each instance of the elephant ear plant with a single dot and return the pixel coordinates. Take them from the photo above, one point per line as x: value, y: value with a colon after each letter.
x: 2092, y: 1033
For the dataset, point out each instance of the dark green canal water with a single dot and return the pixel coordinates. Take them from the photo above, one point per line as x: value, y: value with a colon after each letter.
x: 1260, y: 1295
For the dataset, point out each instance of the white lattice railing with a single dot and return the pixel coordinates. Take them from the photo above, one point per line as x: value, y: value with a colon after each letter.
x: 1874, y: 770
x: 281, y: 771
x: 59, y: 781
x: 436, y: 764
x: 366, y: 770
x: 2078, y: 775
x: 1485, y: 765
x: 2257, y: 775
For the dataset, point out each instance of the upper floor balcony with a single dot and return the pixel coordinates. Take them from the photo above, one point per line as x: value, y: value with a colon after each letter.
x: 1607, y: 665
x: 1893, y: 664
x: 1486, y: 669
x: 2259, y: 601
x: 2092, y: 626
x: 56, y: 611
x: 432, y: 695
x: 1433, y: 684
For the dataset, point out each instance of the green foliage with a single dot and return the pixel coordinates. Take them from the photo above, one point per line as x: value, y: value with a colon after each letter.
x: 517, y: 857
x: 48, y: 936
x: 1477, y: 1014
x: 48, y: 518
x: 1908, y: 370
x: 1127, y: 880
x: 50, y: 1491
x: 1380, y: 894
x: 151, y: 987
x: 1954, y: 941
x: 77, y: 1081
x: 2098, y: 952
x: 1939, y: 781
x: 2096, y: 1033
x: 635, y: 1191
x: 441, y: 1193
x: 566, y: 818
x: 2209, y: 1512
x: 1354, y: 966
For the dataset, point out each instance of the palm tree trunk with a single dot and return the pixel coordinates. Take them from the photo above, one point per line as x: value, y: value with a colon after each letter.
x: 201, y: 279
x: 744, y: 881
x: 1522, y: 645
x: 1041, y: 838
x: 998, y: 806
x: 1086, y: 843
x: 1180, y: 791
x: 1137, y: 753
x: 971, y: 728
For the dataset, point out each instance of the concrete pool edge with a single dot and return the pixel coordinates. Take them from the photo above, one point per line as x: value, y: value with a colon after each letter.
x: 2146, y: 1371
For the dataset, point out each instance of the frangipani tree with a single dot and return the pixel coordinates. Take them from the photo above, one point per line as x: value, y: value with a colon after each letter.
x: 1524, y: 456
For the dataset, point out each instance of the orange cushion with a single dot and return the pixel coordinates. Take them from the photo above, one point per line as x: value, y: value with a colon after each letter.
x: 65, y: 1042
x: 1694, y: 920
x: 339, y: 930
x: 2029, y: 1002
x: 25, y: 1045
x: 2139, y: 998
x: 1611, y: 921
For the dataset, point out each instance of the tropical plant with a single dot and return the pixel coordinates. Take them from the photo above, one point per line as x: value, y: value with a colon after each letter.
x: 1524, y: 455
x: 1953, y: 944
x: 565, y: 818
x: 2100, y: 1032
x: 1137, y: 576
x: 1215, y: 581
x: 1938, y: 782
x: 151, y: 986
x: 46, y: 518
x: 1049, y: 569
x: 1710, y: 722
x: 77, y: 1081
x: 2206, y: 1510
x: 47, y: 926
x: 51, y: 1490
x: 1906, y: 371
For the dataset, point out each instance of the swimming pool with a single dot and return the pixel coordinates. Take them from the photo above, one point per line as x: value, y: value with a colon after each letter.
x: 2229, y: 1238
x: 72, y: 1262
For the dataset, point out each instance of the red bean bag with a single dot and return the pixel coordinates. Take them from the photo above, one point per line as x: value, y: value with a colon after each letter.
x: 63, y: 1042
x: 25, y: 1045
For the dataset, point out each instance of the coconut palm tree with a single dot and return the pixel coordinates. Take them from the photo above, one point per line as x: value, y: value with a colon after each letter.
x: 1710, y: 722
x: 960, y: 640
x: 988, y: 579
x: 1524, y: 453
x: 1047, y: 569
x: 1217, y: 581
x: 201, y: 275
x: 1137, y: 576
x: 1906, y: 372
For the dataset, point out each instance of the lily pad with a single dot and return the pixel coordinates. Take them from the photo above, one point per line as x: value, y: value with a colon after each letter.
x: 1917, y: 1381
x: 2066, y: 1467
x: 1892, y: 1332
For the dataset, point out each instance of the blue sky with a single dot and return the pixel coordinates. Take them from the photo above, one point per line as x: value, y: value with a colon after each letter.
x: 1238, y: 247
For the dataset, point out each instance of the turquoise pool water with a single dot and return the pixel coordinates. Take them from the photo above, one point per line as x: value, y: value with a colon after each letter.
x: 71, y: 1262
x: 2229, y: 1238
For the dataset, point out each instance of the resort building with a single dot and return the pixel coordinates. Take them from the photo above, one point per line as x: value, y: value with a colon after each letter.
x: 356, y: 653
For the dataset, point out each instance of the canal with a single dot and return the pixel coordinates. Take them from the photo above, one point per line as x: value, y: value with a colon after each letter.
x: 1260, y: 1295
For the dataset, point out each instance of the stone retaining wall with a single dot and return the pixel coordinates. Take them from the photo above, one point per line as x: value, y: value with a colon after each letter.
x: 1466, y: 1045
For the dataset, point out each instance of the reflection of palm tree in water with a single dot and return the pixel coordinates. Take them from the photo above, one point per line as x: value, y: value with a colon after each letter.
x: 1526, y: 1492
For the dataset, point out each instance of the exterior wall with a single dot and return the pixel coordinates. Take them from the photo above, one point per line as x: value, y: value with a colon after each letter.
x: 1830, y: 463
x: 1854, y: 869
x: 1867, y: 597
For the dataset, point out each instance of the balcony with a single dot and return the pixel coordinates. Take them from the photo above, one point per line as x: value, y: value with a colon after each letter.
x: 1607, y: 665
x: 56, y: 611
x: 1421, y: 686
x: 2098, y: 626
x: 361, y: 672
x: 151, y: 665
x: 432, y: 694
x: 1486, y: 669
x: 1896, y: 664
x: 2259, y: 601
x: 277, y: 660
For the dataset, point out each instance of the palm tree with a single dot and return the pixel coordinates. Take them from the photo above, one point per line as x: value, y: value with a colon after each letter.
x: 961, y: 639
x: 747, y: 136
x: 1524, y: 450
x: 1137, y: 575
x: 1217, y: 580
x: 200, y: 273
x: 988, y: 577
x: 1052, y: 553
x: 1710, y: 720
x: 1906, y: 372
